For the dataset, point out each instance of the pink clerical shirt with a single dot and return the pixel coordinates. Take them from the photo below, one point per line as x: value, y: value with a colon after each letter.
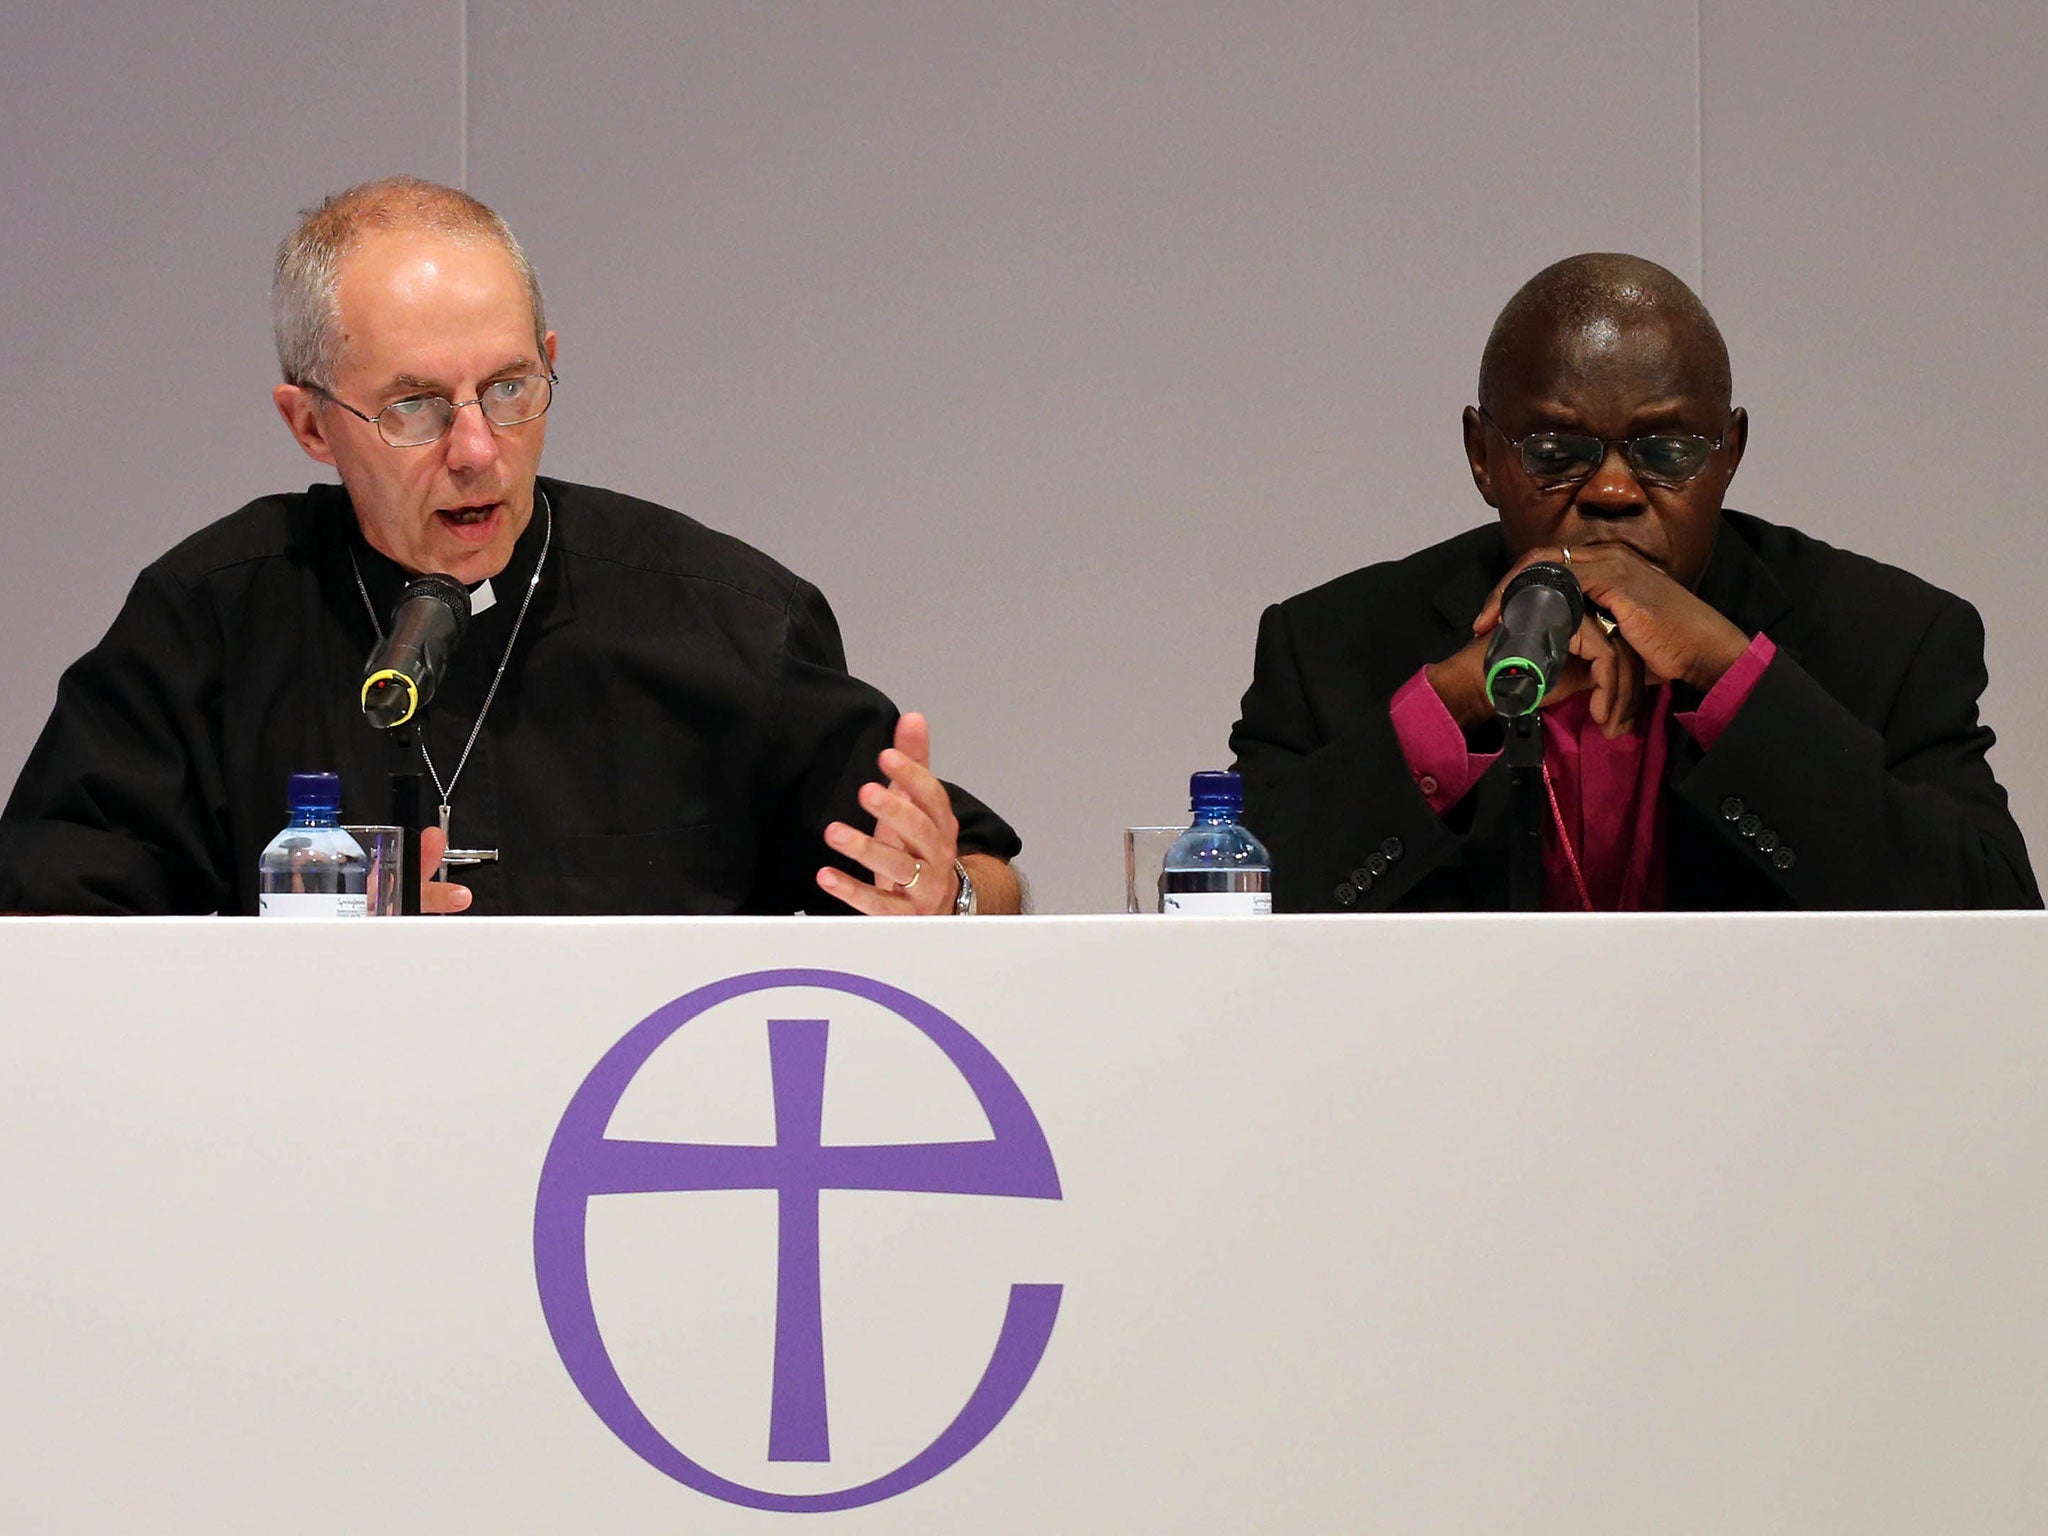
x: 1608, y: 795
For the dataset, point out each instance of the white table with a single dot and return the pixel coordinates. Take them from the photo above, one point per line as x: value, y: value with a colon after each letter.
x: 1401, y: 1225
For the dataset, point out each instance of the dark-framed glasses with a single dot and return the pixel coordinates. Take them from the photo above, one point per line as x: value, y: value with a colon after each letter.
x: 1566, y: 458
x: 419, y: 420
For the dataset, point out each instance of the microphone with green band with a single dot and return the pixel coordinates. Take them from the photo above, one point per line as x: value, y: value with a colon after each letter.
x: 1539, y: 613
x: 426, y: 625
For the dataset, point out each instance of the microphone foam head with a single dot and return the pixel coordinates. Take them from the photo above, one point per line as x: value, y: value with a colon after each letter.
x: 1559, y: 578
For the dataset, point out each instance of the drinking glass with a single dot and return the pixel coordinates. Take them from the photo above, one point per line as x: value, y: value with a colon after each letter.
x: 1144, y: 856
x: 385, y: 849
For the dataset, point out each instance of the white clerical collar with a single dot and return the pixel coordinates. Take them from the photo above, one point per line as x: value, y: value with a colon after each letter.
x: 481, y: 597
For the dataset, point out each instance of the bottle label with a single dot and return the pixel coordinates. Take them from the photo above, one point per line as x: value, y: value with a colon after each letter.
x: 312, y: 904
x: 1217, y: 903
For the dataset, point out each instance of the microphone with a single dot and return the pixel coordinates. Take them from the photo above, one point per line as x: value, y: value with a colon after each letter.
x: 402, y: 673
x: 1539, y: 612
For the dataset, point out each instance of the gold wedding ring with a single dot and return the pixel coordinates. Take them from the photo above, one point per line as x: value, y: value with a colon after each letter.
x: 903, y: 886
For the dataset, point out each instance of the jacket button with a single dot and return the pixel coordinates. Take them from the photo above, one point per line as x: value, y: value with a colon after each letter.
x: 1767, y: 840
x: 1731, y: 808
x: 1782, y: 860
x: 1392, y: 848
x: 1362, y: 878
x: 1377, y: 863
x: 1427, y: 784
x: 1346, y: 894
x: 1750, y: 825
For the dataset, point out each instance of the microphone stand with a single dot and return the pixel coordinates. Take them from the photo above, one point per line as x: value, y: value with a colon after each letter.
x: 1525, y: 811
x: 407, y: 807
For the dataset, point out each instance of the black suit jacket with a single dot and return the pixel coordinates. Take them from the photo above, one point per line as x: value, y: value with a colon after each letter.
x: 1854, y: 776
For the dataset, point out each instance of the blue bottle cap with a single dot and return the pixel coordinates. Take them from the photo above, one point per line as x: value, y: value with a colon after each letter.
x: 314, y: 792
x: 1216, y: 791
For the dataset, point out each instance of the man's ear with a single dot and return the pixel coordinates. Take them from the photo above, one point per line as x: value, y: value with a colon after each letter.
x: 300, y: 408
x: 1475, y: 454
x: 1738, y: 438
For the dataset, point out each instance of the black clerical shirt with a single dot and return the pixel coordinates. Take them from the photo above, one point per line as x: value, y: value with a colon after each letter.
x: 675, y: 728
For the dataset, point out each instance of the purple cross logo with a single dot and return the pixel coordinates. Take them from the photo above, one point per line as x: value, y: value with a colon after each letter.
x: 583, y: 1161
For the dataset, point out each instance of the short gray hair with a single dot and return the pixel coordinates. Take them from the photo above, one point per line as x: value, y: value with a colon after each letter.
x: 305, y: 300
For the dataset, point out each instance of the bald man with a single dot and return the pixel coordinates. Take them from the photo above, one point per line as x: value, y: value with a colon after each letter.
x: 1749, y: 718
x: 645, y: 715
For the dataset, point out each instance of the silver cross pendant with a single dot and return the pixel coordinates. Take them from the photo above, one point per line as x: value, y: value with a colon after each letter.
x: 456, y: 857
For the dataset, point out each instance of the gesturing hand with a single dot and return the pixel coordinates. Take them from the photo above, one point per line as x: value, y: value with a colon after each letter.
x: 915, y: 841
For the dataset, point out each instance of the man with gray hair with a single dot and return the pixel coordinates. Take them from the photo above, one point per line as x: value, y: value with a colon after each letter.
x: 644, y: 715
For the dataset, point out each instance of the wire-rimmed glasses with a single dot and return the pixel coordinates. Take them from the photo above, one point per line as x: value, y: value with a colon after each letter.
x: 419, y: 420
x: 1565, y: 458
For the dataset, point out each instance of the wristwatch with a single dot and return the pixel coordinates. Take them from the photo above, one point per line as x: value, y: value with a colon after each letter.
x: 966, y: 904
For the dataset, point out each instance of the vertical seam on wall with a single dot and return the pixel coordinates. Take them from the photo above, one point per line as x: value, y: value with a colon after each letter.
x: 462, y: 94
x: 1699, y: 139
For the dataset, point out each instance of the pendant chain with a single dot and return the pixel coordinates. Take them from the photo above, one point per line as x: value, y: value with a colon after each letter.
x: 1571, y: 855
x: 447, y: 791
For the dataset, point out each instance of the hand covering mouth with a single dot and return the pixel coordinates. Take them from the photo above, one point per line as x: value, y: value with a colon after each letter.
x: 1634, y: 549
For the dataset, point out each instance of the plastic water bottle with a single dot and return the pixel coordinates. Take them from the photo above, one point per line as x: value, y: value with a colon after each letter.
x: 1216, y: 867
x: 313, y: 868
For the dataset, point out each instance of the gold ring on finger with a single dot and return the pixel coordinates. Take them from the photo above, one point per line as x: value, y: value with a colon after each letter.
x: 905, y: 885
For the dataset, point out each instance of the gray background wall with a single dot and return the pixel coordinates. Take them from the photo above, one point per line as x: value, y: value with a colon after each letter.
x: 1053, y: 340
